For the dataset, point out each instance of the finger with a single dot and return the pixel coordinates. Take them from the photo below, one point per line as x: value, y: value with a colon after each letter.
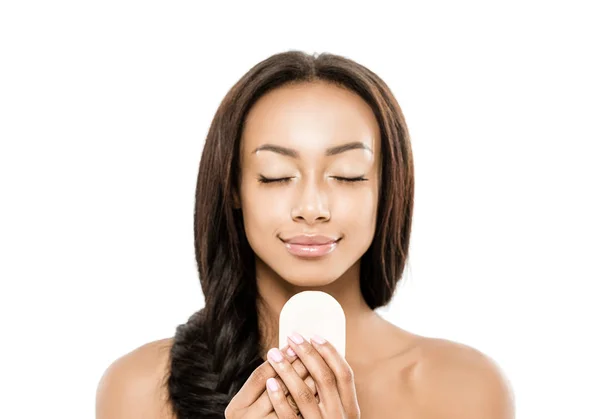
x: 302, y: 372
x: 280, y: 403
x: 310, y: 383
x: 263, y: 404
x: 255, y: 384
x: 320, y: 372
x: 343, y: 373
x: 302, y: 394
x: 308, y: 380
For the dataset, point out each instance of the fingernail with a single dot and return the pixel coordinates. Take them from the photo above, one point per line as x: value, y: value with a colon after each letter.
x: 296, y: 338
x: 318, y: 339
x: 273, y: 385
x: 291, y: 352
x: 275, y: 355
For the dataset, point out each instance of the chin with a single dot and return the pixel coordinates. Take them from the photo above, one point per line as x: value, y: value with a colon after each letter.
x: 303, y: 273
x: 309, y: 279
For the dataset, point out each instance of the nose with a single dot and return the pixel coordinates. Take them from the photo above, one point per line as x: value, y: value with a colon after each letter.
x: 311, y: 205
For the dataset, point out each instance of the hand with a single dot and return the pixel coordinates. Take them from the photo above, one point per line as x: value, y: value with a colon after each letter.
x: 333, y: 376
x: 253, y: 402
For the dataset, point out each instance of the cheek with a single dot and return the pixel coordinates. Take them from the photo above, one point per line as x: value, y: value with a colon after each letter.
x: 264, y: 213
x: 357, y: 211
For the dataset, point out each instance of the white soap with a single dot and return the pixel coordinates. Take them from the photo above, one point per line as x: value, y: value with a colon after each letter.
x: 314, y: 312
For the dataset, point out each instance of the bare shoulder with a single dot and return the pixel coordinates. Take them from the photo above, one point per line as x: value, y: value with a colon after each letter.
x: 133, y: 386
x: 459, y: 381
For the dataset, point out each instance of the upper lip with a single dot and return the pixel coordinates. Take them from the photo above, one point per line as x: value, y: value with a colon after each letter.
x: 310, y: 239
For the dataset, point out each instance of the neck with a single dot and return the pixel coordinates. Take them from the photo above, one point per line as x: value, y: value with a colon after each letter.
x: 274, y: 292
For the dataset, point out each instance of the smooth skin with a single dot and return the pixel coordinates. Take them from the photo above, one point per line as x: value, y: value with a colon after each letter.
x: 310, y: 181
x: 396, y: 373
x: 331, y: 394
x: 431, y: 378
x: 309, y: 192
x: 332, y: 374
x: 253, y: 400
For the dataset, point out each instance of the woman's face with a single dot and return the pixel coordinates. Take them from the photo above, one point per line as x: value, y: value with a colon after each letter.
x: 304, y: 124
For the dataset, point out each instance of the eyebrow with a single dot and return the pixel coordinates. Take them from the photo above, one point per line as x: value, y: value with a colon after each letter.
x: 357, y: 145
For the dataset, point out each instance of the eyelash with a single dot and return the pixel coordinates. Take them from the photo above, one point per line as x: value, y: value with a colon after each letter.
x: 263, y: 179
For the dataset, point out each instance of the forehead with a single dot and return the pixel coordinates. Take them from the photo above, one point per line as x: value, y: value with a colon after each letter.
x: 310, y: 117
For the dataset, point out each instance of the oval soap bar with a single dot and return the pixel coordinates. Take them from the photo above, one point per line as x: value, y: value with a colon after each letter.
x: 314, y: 312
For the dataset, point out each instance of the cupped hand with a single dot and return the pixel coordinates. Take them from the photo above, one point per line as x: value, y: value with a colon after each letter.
x: 332, y: 374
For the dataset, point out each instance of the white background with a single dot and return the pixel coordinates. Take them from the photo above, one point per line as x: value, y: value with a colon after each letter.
x: 104, y: 107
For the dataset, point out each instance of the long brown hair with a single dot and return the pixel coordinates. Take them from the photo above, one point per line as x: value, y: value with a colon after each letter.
x: 215, y: 352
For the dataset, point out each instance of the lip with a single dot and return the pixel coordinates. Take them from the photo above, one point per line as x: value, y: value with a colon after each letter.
x: 311, y: 246
x: 309, y: 240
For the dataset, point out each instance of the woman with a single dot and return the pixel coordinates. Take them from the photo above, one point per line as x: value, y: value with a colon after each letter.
x: 306, y: 182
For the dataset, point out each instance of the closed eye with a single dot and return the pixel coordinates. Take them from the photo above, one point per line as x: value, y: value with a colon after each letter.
x: 350, y: 179
x: 263, y: 179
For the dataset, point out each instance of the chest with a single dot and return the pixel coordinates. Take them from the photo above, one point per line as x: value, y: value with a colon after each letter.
x: 388, y: 392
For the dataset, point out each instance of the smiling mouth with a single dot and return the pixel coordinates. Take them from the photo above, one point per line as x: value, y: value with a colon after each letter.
x: 311, y: 250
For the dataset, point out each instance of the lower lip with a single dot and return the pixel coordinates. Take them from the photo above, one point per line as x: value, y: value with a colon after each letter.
x: 314, y: 250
